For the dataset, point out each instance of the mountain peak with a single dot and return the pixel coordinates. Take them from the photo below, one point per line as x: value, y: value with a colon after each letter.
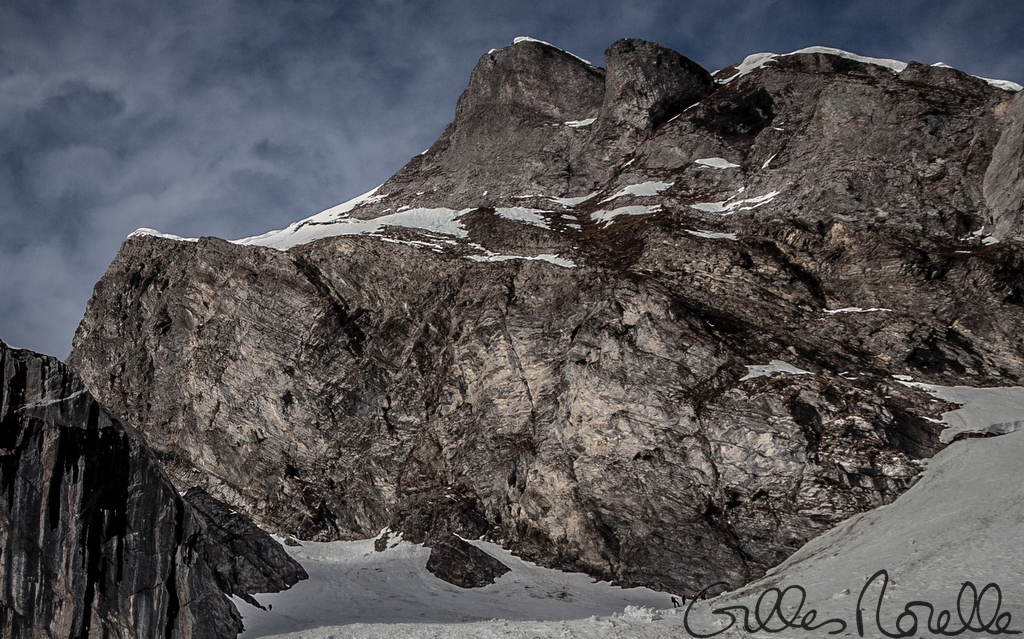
x: 647, y: 83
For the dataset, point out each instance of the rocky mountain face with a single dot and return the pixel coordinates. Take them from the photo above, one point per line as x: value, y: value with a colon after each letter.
x: 547, y: 329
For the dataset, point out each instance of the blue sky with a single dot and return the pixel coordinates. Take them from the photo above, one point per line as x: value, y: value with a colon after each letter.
x: 228, y: 118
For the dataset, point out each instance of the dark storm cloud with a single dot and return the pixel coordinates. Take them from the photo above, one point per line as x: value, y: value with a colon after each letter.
x: 232, y: 118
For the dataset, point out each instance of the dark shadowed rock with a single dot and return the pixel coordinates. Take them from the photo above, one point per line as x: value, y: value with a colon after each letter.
x: 245, y: 560
x: 458, y: 562
x: 94, y: 540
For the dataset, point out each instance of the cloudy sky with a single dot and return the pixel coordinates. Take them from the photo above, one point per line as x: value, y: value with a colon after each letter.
x: 231, y: 118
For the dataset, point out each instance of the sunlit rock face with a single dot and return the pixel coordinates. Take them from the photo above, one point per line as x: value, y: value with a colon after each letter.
x: 553, y: 340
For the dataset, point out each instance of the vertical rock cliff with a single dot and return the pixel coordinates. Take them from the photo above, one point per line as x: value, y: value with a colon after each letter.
x: 94, y: 540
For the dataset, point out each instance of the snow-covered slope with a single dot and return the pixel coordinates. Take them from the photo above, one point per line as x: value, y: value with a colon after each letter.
x: 961, y: 522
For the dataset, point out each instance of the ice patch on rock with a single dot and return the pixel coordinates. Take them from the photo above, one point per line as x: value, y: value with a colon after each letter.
x: 856, y: 309
x: 712, y: 235
x: 716, y: 163
x: 606, y: 216
x: 771, y: 368
x: 728, y: 207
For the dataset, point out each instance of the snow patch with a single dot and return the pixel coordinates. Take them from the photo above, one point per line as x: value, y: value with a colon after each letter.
x: 772, y: 367
x: 728, y: 207
x: 529, y: 39
x: 606, y: 216
x: 144, y: 232
x: 857, y: 309
x: 523, y: 214
x: 572, y: 201
x: 712, y: 235
x: 716, y: 163
x: 578, y: 123
x: 441, y: 220
x: 758, y: 60
x: 646, y: 189
x: 751, y: 63
x: 997, y: 410
x: 1005, y: 85
x: 490, y: 256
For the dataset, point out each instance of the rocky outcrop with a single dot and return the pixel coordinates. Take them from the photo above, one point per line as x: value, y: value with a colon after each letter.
x: 523, y: 114
x: 568, y: 370
x: 245, y: 560
x: 458, y: 562
x: 94, y: 540
x: 648, y: 84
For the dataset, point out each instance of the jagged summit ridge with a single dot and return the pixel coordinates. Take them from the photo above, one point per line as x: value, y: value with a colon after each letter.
x: 531, y: 100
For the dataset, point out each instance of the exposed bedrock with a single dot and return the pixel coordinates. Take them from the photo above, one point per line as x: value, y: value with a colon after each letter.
x: 94, y: 540
x: 647, y: 83
x: 245, y: 560
x: 1004, y: 180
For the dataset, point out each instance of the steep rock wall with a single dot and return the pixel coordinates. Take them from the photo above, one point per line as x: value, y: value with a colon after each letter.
x: 94, y: 540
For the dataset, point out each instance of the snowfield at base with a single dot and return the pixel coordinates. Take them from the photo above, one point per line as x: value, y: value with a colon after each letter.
x: 350, y: 583
x: 961, y: 522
